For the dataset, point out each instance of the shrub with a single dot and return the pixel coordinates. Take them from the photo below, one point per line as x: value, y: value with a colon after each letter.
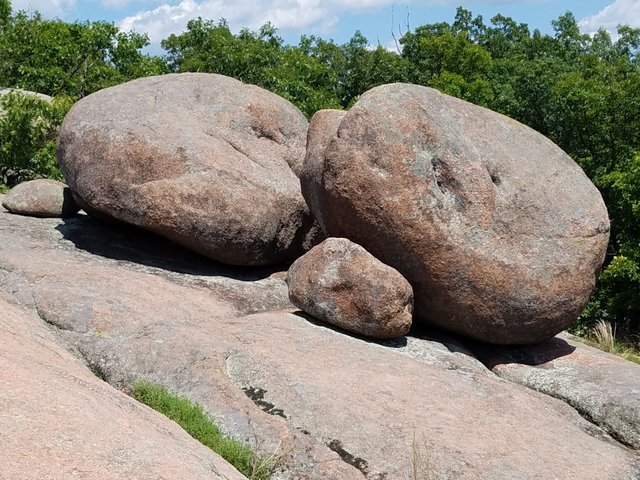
x: 28, y: 126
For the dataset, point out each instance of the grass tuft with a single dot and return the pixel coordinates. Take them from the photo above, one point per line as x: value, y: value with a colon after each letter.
x: 193, y: 419
x: 603, y: 336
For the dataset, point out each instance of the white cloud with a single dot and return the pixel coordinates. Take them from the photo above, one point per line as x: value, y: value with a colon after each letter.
x: 620, y: 12
x: 310, y: 15
x: 319, y: 15
x: 48, y: 8
x: 121, y: 4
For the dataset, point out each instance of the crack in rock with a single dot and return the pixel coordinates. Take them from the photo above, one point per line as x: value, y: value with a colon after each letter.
x: 257, y: 396
x: 360, y: 463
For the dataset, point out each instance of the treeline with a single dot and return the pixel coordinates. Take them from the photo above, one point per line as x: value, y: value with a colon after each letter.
x: 581, y: 91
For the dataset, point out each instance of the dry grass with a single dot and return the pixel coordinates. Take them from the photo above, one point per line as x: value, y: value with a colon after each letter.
x: 421, y: 467
x: 603, y: 336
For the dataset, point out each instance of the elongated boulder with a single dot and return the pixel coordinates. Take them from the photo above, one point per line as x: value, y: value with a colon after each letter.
x: 201, y: 159
x: 322, y: 128
x: 41, y: 198
x: 498, y: 231
x: 339, y: 282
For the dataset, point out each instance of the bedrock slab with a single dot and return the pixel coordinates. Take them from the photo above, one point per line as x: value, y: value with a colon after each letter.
x: 57, y: 420
x: 602, y: 387
x: 330, y: 405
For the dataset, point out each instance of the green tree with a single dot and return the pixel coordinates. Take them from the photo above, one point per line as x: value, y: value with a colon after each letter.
x: 358, y: 67
x: 617, y: 298
x: 5, y: 11
x: 55, y: 57
x: 28, y: 127
x: 64, y: 60
x: 505, y: 38
x: 449, y: 61
x: 260, y: 58
x: 211, y: 47
x: 571, y: 43
x: 302, y: 80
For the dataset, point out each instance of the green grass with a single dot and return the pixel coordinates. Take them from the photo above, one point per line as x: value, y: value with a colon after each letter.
x: 193, y: 419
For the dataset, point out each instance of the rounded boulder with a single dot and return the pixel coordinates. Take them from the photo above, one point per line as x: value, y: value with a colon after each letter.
x: 204, y: 160
x: 499, y: 232
x: 41, y: 198
x: 340, y: 283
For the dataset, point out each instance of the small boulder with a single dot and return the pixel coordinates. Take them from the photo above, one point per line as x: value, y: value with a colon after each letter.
x: 204, y: 160
x: 41, y: 198
x: 499, y: 232
x: 341, y: 283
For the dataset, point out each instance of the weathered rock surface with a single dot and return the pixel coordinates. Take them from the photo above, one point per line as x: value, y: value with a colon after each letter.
x: 57, y: 420
x: 602, y: 387
x: 340, y: 283
x: 41, y: 198
x: 323, y: 127
x: 201, y: 159
x: 498, y: 231
x: 334, y: 406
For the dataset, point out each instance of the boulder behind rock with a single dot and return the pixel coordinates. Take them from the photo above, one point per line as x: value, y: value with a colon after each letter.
x: 6, y: 91
x: 41, y: 198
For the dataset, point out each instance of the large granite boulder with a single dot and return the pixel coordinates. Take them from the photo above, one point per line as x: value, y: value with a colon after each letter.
x: 339, y: 282
x: 41, y: 198
x: 499, y: 232
x: 201, y: 159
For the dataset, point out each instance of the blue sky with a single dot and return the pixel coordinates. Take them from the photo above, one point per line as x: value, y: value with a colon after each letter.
x: 337, y: 19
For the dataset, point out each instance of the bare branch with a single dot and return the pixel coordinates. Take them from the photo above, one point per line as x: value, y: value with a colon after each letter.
x: 393, y: 35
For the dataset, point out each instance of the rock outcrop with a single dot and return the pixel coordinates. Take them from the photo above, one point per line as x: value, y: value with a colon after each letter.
x: 59, y: 421
x: 331, y: 405
x: 340, y: 283
x: 41, y: 198
x: 602, y: 387
x: 201, y: 159
x: 498, y: 231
